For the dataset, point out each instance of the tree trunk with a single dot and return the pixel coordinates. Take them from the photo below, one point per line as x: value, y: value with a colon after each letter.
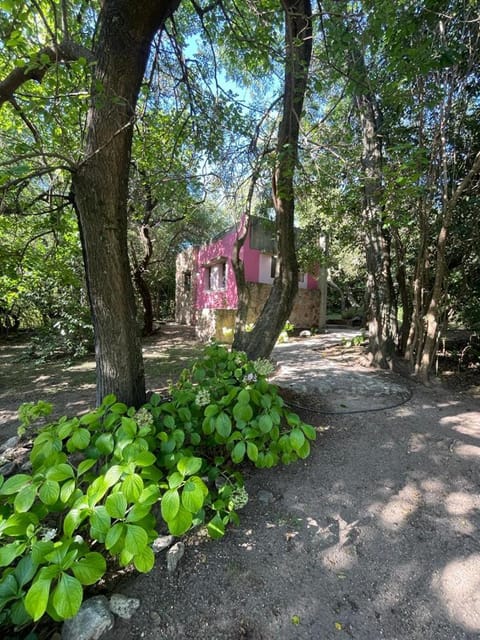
x: 139, y: 270
x: 100, y: 185
x: 380, y: 307
x: 298, y: 39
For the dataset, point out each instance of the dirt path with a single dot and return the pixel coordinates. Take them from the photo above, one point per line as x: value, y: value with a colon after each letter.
x: 376, y: 535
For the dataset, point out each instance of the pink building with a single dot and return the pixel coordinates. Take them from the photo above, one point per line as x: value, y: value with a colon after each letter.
x: 206, y: 290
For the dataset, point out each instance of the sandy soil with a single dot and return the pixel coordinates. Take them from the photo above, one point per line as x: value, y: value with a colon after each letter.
x: 376, y: 535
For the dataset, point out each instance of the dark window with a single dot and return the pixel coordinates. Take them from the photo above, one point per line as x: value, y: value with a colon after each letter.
x: 187, y: 280
x: 273, y: 266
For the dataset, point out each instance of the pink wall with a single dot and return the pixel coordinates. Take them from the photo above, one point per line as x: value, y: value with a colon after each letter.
x: 222, y: 249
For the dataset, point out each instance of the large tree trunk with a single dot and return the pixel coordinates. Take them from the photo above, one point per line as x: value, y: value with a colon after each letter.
x: 298, y: 39
x: 126, y: 29
x: 380, y: 302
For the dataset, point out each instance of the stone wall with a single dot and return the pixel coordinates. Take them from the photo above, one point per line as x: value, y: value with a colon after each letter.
x: 219, y: 323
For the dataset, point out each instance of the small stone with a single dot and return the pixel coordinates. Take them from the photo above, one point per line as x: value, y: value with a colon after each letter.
x: 174, y: 556
x: 11, y: 443
x: 305, y: 334
x: 265, y: 496
x: 7, y: 468
x: 93, y: 619
x: 161, y: 543
x: 26, y: 467
x: 123, y: 606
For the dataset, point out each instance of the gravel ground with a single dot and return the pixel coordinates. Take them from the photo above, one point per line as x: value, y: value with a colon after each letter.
x: 375, y: 536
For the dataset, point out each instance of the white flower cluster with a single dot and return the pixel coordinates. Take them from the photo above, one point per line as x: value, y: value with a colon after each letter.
x: 264, y: 367
x: 202, y: 398
x: 48, y: 534
x: 143, y: 418
x: 249, y: 378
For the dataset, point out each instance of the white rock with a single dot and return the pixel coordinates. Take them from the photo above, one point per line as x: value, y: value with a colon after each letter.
x: 123, y: 606
x: 161, y: 543
x: 174, y: 556
x: 93, y: 619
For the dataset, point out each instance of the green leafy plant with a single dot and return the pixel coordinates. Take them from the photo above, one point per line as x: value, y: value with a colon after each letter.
x: 101, y: 484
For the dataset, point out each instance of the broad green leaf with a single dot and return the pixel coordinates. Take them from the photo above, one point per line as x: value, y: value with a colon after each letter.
x: 119, y: 408
x: 242, y: 412
x: 238, y: 452
x: 145, y: 459
x: 138, y: 512
x: 216, y: 527
x: 175, y: 479
x: 243, y: 397
x: 210, y: 410
x: 36, y: 599
x: 9, y: 552
x: 25, y: 570
x: 67, y: 596
x: 100, y: 522
x: 60, y: 472
x: 72, y: 520
x: 90, y: 569
x: 113, y: 475
x: 97, y: 490
x: 67, y: 490
x: 132, y: 487
x: 25, y: 498
x: 265, y: 423
x: 309, y: 431
x: 149, y: 495
x: 8, y: 588
x: 223, y: 424
x: 304, y: 450
x: 189, y: 466
x: 181, y: 523
x: 85, y: 465
x: 49, y: 492
x: 144, y: 560
x: 114, y: 535
x: 192, y: 497
x: 136, y: 538
x: 17, y: 523
x: 116, y: 505
x: 79, y: 440
x: 170, y: 504
x: 297, y: 438
x: 129, y: 426
x: 105, y: 443
x: 14, y: 484
x: 252, y: 451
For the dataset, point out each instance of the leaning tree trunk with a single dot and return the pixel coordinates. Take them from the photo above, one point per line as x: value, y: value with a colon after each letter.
x: 298, y: 39
x: 126, y: 29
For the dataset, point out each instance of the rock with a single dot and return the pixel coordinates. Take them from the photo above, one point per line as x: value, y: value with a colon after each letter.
x: 161, y: 543
x: 265, y: 496
x: 11, y: 443
x: 123, y: 606
x: 93, y: 619
x: 174, y: 556
x: 7, y: 468
x: 305, y: 334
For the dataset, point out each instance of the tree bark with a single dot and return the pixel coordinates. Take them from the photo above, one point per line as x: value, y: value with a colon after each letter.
x: 100, y: 186
x: 298, y: 40
x: 380, y: 304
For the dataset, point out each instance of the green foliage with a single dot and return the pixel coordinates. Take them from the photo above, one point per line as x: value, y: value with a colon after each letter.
x: 107, y: 479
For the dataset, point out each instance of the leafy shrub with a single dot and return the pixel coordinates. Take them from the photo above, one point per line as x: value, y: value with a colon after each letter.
x: 101, y: 484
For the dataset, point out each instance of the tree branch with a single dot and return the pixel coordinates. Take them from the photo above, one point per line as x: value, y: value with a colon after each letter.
x: 39, y: 65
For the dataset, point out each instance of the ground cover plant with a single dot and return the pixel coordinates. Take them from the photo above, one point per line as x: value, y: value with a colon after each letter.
x: 103, y: 485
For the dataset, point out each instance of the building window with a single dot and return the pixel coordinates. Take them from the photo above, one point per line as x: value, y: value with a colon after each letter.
x: 217, y: 276
x: 273, y: 266
x: 187, y: 280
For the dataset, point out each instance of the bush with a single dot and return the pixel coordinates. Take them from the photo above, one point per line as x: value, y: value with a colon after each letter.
x: 101, y: 484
